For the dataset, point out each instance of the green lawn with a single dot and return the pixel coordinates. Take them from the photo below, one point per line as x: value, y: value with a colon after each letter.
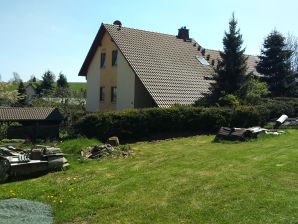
x: 185, y: 180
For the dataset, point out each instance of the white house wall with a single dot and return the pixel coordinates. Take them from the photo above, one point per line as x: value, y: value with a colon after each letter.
x: 125, y: 84
x: 93, y: 83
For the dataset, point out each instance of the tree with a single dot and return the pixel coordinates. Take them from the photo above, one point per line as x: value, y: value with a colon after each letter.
x: 47, y: 83
x: 32, y: 78
x: 21, y: 94
x: 292, y: 45
x: 7, y: 97
x: 255, y: 90
x: 16, y: 77
x: 275, y: 65
x: 230, y: 74
x: 62, y: 81
x: 62, y: 86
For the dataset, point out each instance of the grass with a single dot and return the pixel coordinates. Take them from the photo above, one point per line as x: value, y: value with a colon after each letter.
x: 73, y: 86
x: 184, y: 180
x: 77, y: 86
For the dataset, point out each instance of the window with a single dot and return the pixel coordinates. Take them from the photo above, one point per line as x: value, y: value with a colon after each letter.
x: 202, y: 60
x: 113, y: 94
x: 102, y: 60
x: 102, y: 94
x: 114, y: 57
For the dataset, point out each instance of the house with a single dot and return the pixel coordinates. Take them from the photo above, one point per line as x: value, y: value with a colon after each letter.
x: 131, y: 68
x: 30, y: 91
x: 32, y: 122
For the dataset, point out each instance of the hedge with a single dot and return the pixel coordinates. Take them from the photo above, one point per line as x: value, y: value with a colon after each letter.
x: 141, y: 123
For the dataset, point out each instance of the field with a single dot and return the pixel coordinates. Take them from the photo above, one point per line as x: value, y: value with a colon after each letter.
x: 74, y: 86
x: 77, y: 86
x: 183, y: 180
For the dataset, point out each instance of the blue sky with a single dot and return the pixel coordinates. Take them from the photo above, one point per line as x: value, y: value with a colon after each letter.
x: 37, y: 35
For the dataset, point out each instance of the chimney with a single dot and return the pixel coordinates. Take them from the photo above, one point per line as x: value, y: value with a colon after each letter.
x: 118, y: 24
x: 183, y: 34
x: 203, y: 51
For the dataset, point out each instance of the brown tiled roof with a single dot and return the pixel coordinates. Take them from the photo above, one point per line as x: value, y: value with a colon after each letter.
x: 29, y: 114
x: 251, y: 60
x: 166, y: 65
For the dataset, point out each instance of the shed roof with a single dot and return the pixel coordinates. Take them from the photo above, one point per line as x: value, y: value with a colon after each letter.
x: 29, y: 114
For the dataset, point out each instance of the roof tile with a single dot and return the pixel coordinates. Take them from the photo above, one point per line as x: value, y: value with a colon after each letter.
x: 29, y: 113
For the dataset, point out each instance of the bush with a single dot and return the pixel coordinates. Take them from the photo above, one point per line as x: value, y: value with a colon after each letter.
x: 3, y: 130
x: 141, y: 123
x: 281, y: 105
x: 136, y: 124
x: 229, y: 100
x: 248, y: 116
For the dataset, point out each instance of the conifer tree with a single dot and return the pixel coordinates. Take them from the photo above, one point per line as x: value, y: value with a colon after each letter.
x: 231, y: 71
x: 47, y: 83
x: 275, y: 65
x: 62, y: 81
x: 21, y: 97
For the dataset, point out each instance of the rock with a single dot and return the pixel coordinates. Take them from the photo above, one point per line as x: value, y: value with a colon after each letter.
x: 114, y: 141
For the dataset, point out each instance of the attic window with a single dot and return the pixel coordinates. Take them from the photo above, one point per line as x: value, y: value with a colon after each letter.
x: 202, y: 60
x: 114, y: 57
x: 102, y: 60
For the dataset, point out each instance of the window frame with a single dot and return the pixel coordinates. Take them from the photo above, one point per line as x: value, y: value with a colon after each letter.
x: 114, y: 57
x: 113, y: 94
x: 103, y: 59
x: 102, y: 94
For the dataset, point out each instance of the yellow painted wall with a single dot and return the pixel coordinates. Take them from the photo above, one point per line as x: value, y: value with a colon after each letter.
x: 108, y: 74
x: 93, y: 83
x: 130, y: 92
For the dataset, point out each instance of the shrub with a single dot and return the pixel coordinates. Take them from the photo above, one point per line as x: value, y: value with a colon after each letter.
x: 248, y: 116
x: 136, y: 124
x: 141, y: 123
x: 229, y: 100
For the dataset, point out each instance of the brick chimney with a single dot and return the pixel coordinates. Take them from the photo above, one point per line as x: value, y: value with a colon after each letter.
x: 183, y: 34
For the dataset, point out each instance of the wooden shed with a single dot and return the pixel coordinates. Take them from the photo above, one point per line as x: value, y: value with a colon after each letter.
x: 31, y: 122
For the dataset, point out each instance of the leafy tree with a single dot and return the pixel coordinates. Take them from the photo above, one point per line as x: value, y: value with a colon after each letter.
x: 292, y: 45
x: 255, y: 90
x: 21, y: 94
x: 16, y: 77
x: 230, y: 74
x: 229, y: 100
x: 275, y: 65
x: 7, y: 97
x: 47, y: 84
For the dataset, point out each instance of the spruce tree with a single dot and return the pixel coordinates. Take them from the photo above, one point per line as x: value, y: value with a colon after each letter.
x: 47, y: 83
x: 231, y: 71
x: 275, y: 65
x: 62, y: 81
x: 21, y: 97
x: 62, y: 86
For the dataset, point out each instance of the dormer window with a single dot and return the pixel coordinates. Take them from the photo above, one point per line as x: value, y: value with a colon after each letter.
x: 103, y: 60
x: 114, y: 57
x: 202, y: 60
